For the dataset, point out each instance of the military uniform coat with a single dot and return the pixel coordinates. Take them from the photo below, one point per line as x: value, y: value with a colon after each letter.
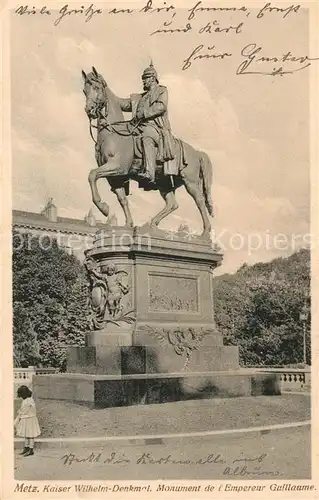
x: 151, y: 108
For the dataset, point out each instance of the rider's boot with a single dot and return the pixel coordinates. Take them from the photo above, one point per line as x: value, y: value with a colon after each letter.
x: 149, y: 157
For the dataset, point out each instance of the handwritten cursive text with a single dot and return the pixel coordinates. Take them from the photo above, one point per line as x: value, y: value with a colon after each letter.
x: 207, y: 53
x: 87, y: 13
x: 285, y: 64
x: 113, y: 458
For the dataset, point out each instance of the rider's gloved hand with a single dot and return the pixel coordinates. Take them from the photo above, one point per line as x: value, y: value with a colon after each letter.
x: 135, y: 121
x: 103, y: 122
x: 139, y: 114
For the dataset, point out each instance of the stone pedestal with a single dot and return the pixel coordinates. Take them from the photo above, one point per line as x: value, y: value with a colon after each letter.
x: 152, y: 310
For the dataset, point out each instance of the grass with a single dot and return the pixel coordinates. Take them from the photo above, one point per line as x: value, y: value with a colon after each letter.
x: 62, y: 419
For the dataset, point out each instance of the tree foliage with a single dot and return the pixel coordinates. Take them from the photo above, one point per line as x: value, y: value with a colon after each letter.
x: 259, y: 307
x: 25, y: 345
x: 49, y: 301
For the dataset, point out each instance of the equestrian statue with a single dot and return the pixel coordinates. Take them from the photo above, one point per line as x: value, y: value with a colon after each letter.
x: 143, y: 149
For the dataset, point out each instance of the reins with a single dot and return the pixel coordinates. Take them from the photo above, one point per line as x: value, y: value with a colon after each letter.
x: 110, y: 126
x: 91, y: 133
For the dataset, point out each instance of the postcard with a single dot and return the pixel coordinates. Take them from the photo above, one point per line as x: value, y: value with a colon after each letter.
x: 160, y: 249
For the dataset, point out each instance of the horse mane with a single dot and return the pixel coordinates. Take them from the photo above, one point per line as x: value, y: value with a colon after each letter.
x: 113, y: 104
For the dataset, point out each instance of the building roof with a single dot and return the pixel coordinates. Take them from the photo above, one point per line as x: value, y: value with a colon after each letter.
x: 32, y: 220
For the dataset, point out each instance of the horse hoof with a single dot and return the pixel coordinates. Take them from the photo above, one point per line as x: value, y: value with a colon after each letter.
x: 206, y: 235
x: 104, y: 208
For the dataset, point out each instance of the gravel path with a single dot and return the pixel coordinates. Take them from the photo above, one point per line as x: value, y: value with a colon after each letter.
x: 62, y: 419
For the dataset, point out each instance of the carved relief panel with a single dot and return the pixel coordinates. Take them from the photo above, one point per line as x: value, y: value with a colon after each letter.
x: 173, y: 293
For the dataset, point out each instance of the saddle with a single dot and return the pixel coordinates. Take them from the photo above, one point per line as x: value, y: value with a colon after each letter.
x: 162, y: 171
x: 172, y: 167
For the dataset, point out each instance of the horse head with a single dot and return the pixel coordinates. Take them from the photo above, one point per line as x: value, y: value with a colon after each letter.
x: 95, y: 91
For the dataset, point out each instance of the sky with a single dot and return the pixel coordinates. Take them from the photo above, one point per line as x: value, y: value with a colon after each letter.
x: 254, y: 128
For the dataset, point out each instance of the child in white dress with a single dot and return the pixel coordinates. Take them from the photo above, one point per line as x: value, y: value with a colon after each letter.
x: 26, y: 423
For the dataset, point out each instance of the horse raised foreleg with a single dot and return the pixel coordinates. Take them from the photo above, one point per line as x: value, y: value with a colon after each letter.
x: 171, y: 205
x: 109, y: 169
x: 121, y: 196
x: 96, y: 198
x: 194, y: 190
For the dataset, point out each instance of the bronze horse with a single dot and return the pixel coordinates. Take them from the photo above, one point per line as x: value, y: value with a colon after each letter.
x: 115, y: 155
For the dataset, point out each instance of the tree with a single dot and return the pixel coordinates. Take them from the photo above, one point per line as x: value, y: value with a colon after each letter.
x: 258, y: 308
x: 49, y: 292
x: 25, y: 344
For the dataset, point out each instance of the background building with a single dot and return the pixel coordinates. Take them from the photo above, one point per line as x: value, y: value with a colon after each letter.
x: 74, y: 235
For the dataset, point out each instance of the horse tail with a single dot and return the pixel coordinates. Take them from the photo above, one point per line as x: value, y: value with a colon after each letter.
x: 206, y: 171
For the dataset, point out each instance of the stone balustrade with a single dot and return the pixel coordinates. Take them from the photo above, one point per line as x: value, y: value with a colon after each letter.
x: 291, y: 379
x: 24, y: 376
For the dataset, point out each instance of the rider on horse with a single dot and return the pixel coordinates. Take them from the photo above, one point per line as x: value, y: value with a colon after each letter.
x: 115, y: 149
x: 149, y: 111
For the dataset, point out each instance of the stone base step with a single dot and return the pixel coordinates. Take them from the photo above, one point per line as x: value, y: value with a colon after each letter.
x: 104, y: 391
x: 124, y: 360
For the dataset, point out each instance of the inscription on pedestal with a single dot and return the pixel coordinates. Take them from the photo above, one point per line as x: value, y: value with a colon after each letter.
x: 171, y: 293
